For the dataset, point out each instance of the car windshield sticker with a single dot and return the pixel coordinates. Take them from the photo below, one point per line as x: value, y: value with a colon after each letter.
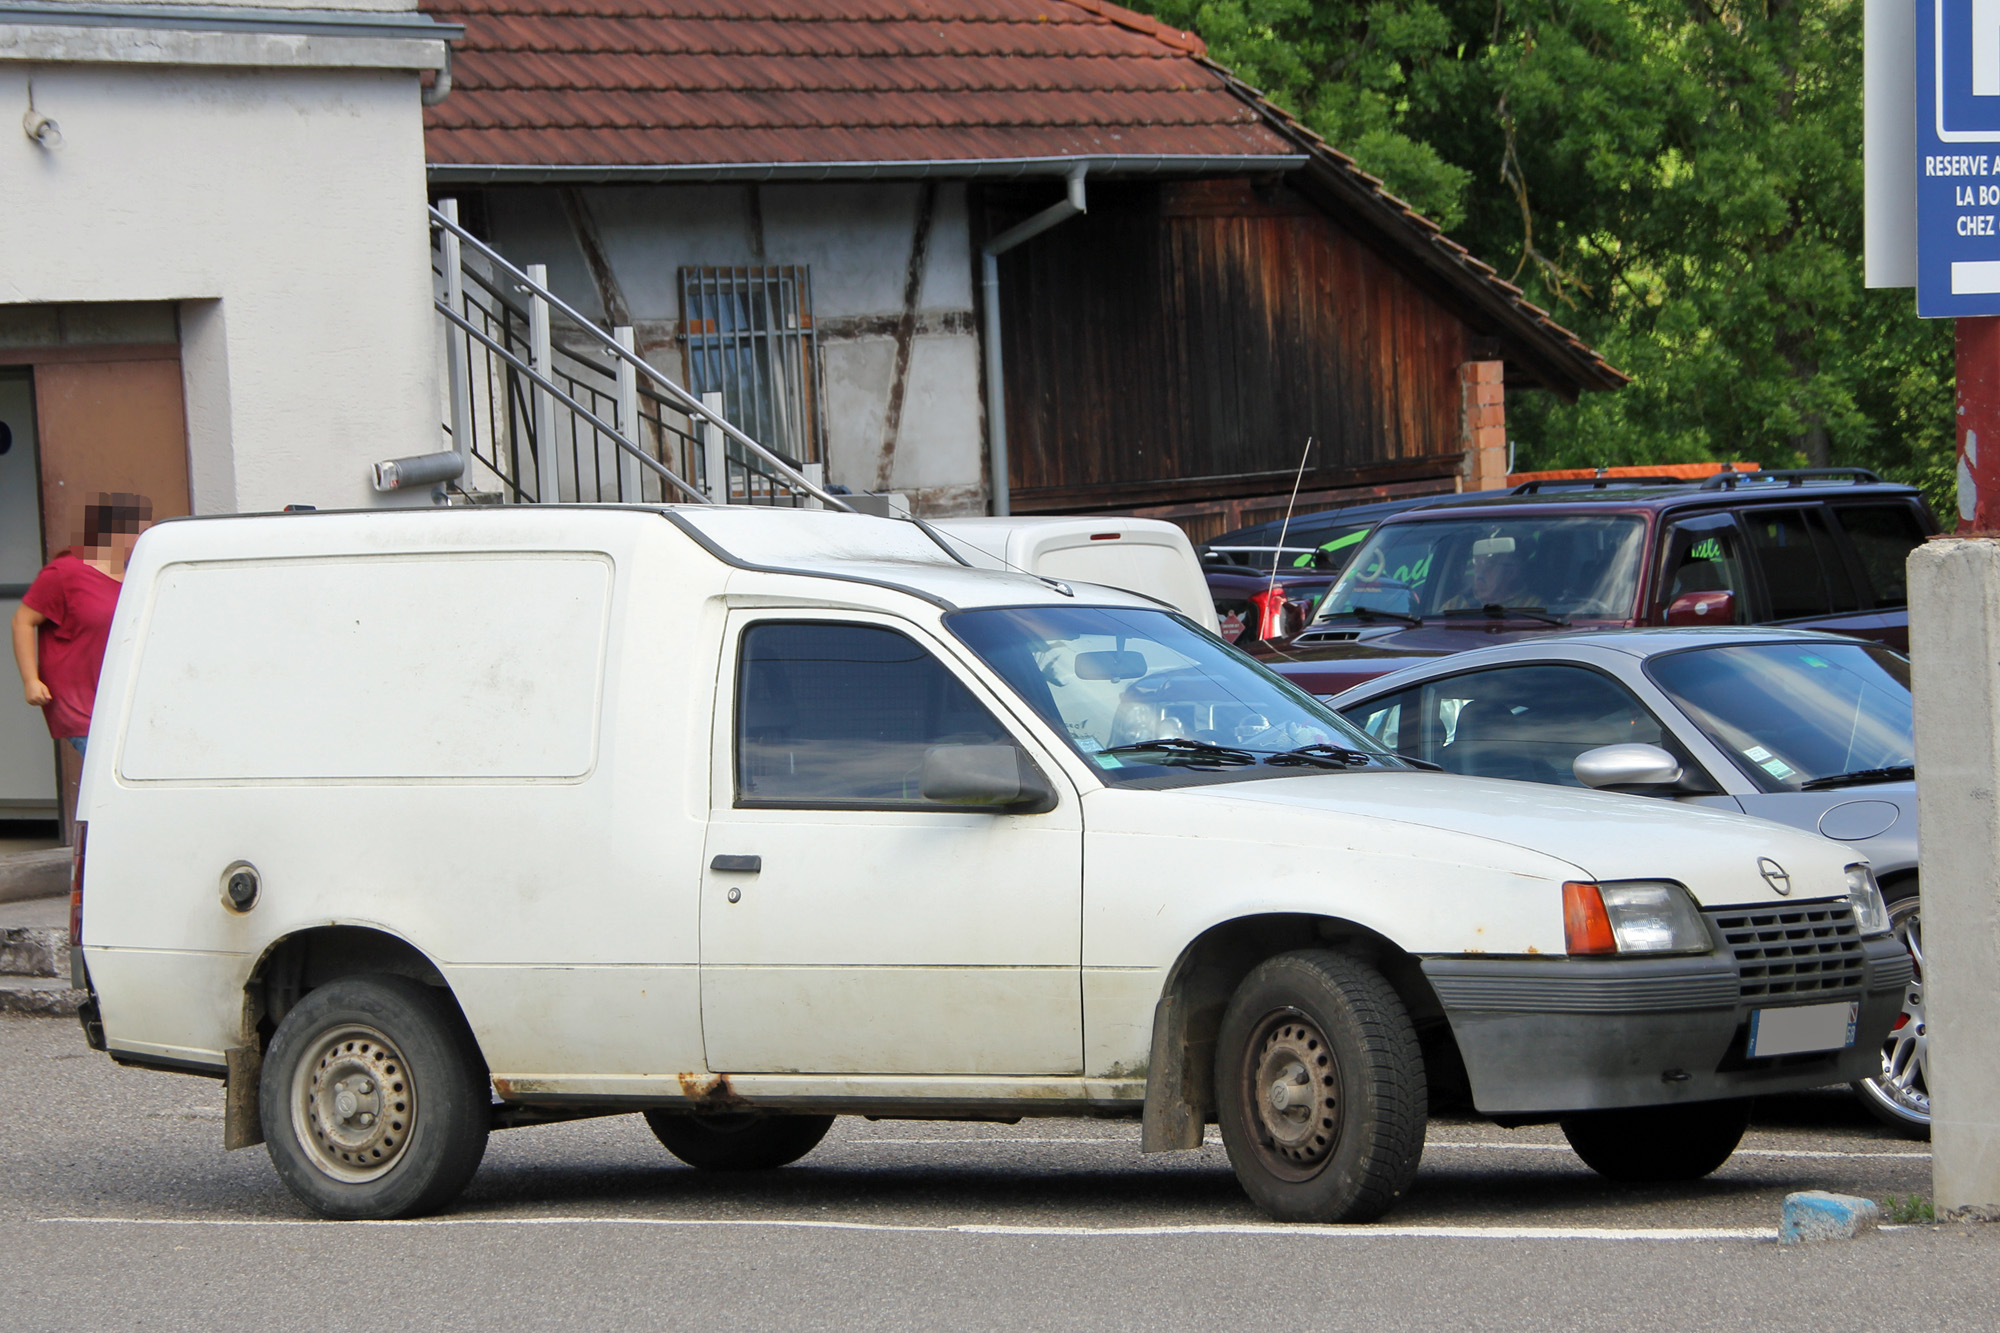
x: 1108, y: 761
x: 1709, y: 548
x: 1819, y: 662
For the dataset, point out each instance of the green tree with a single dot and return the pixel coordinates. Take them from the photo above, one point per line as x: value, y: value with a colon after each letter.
x: 1679, y: 181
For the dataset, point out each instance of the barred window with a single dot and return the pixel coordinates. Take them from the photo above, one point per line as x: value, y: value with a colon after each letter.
x: 747, y: 334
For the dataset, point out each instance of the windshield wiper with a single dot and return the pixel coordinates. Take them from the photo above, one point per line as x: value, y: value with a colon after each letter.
x: 1495, y: 611
x: 1320, y: 756
x: 1177, y: 749
x: 1371, y: 613
x: 1861, y: 777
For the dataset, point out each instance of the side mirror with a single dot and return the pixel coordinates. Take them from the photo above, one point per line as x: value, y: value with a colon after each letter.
x: 997, y: 777
x: 1703, y: 608
x: 1623, y: 767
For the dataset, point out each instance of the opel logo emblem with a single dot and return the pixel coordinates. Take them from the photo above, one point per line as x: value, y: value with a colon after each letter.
x: 1774, y: 875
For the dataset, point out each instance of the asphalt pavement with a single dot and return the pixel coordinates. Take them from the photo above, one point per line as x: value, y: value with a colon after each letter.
x: 121, y: 1210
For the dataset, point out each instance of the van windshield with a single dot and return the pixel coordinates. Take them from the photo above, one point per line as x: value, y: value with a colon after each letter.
x: 1582, y: 567
x: 1152, y: 700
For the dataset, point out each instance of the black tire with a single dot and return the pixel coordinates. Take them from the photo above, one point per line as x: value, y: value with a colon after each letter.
x: 1345, y: 1146
x: 1649, y: 1145
x: 738, y: 1140
x: 374, y: 1099
x: 1901, y: 1096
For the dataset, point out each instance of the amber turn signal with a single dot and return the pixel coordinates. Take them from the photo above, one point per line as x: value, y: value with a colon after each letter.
x: 1586, y: 925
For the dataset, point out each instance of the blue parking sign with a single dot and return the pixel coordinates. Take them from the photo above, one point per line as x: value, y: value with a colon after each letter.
x: 1958, y: 157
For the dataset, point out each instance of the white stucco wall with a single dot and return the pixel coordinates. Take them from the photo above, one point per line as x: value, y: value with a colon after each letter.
x: 283, y: 209
x: 856, y: 238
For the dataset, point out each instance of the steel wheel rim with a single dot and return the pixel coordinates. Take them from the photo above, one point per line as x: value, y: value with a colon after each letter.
x: 1291, y: 1088
x: 354, y: 1104
x: 1903, y: 1086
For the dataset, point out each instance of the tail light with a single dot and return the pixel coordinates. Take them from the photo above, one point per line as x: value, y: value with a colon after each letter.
x: 1270, y: 605
x: 76, y: 888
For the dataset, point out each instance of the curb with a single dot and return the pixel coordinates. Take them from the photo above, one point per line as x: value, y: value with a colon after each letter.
x: 25, y: 875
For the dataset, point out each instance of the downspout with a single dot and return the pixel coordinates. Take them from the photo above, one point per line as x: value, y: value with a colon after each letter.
x: 996, y: 391
x: 440, y: 86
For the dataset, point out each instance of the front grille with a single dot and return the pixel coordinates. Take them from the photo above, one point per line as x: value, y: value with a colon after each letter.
x: 1803, y: 949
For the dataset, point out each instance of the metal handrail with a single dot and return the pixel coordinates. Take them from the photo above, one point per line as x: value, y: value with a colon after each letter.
x: 681, y: 398
x: 549, y: 387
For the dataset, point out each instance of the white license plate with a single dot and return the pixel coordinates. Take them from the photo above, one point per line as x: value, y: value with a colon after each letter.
x: 1808, y: 1027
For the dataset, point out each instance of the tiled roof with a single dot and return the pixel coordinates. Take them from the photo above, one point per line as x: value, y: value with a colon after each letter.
x: 644, y: 83
x: 635, y: 88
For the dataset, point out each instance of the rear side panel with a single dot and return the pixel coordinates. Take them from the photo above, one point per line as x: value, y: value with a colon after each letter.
x: 448, y: 728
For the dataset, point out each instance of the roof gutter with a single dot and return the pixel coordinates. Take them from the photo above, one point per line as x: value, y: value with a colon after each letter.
x: 1072, y: 203
x: 989, y: 168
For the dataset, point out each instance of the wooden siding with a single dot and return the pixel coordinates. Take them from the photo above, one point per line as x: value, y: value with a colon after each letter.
x: 1182, y: 341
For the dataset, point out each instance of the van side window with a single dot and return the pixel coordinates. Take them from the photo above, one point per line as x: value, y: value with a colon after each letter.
x: 829, y: 713
x: 1883, y: 537
x: 1803, y: 572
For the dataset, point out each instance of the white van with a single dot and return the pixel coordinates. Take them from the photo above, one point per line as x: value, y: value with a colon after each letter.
x: 1149, y: 556
x: 412, y: 825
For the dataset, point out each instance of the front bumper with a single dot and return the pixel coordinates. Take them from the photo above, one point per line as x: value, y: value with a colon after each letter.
x: 1549, y: 1036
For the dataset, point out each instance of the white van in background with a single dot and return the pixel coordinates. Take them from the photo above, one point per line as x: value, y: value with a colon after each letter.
x: 1149, y: 556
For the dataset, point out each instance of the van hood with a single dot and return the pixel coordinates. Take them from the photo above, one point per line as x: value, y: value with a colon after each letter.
x: 1718, y: 855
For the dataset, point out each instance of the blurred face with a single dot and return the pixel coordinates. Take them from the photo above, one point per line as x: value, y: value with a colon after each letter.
x: 1494, y: 577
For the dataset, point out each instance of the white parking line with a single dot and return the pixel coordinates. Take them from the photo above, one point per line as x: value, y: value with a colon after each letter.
x: 1740, y: 1152
x: 1464, y: 1144
x: 1266, y: 1229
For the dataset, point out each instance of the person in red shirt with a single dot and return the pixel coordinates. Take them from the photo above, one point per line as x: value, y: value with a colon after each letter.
x: 64, y: 620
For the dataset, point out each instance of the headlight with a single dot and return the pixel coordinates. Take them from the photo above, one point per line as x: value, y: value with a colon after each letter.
x: 1633, y: 916
x: 1870, y: 912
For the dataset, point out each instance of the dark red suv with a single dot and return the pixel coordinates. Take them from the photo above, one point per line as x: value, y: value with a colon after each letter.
x: 1812, y: 549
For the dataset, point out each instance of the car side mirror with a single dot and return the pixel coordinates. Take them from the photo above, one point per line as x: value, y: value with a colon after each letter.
x: 1626, y: 767
x: 997, y: 777
x: 1703, y: 608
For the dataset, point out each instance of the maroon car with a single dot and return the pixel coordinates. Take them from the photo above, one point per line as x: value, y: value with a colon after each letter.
x: 1812, y: 549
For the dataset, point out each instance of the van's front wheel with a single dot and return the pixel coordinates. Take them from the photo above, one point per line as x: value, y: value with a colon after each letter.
x: 374, y: 1099
x: 1320, y: 1089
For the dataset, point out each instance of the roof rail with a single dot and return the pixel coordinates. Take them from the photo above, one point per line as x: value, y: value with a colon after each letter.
x: 1593, y: 483
x: 1792, y: 476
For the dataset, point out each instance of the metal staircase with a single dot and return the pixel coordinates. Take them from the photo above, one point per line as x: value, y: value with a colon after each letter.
x: 546, y: 407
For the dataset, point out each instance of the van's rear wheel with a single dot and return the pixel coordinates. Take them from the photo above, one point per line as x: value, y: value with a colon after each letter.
x: 738, y: 1140
x: 374, y: 1099
x: 1320, y: 1089
x: 1658, y: 1144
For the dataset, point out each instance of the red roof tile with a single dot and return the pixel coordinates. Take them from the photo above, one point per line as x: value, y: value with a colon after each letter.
x: 628, y: 88
x: 688, y: 83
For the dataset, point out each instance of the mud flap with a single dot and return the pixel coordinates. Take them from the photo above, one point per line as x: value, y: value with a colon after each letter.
x: 1174, y: 1119
x: 242, y: 1125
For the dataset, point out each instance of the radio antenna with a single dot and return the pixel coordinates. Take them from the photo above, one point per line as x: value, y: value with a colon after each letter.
x: 1290, y: 504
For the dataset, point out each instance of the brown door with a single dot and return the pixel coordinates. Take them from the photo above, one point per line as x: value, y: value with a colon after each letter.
x: 109, y: 426
x: 106, y: 425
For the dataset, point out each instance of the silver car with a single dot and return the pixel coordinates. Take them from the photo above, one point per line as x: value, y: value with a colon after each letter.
x: 1808, y: 729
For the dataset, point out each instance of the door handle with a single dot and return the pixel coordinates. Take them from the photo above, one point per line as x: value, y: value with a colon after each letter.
x: 747, y: 864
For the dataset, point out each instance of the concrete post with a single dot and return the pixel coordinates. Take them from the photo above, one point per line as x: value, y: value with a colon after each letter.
x: 628, y: 420
x: 1483, y: 424
x: 1954, y: 649
x: 548, y: 477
